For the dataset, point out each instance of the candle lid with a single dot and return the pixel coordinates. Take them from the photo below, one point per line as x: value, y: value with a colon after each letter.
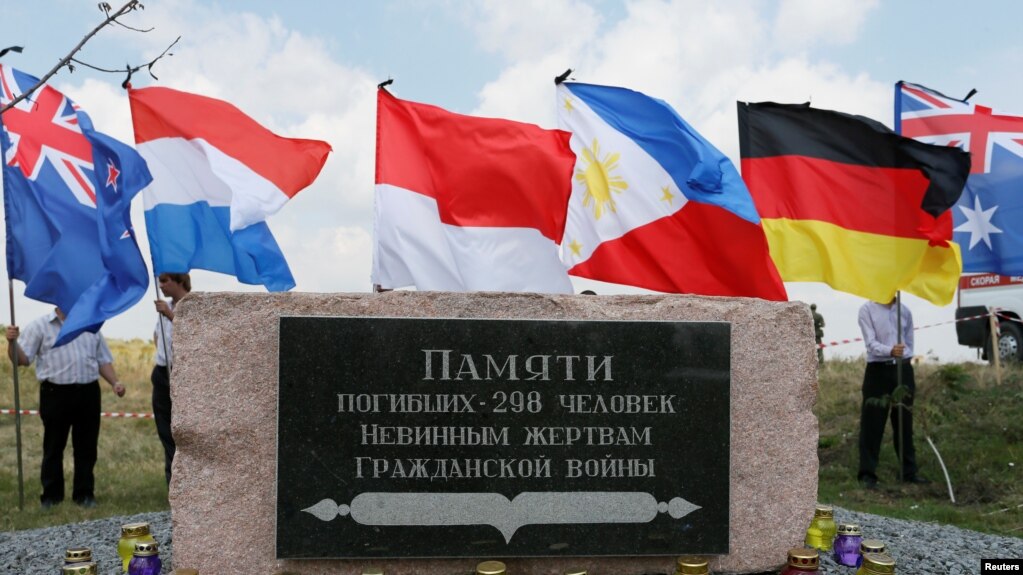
x: 146, y: 548
x: 872, y: 546
x: 804, y: 558
x: 79, y: 569
x: 78, y: 555
x: 490, y: 568
x: 824, y: 511
x: 579, y: 572
x: 879, y: 563
x: 849, y: 529
x: 372, y: 571
x: 691, y: 566
x: 135, y: 530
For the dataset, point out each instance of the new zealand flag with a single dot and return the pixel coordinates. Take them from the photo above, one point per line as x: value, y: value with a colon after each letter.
x: 989, y: 215
x: 67, y: 199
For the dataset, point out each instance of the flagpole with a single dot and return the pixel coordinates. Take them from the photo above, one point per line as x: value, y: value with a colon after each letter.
x: 17, y: 404
x: 996, y: 352
x: 898, y: 382
x: 898, y: 309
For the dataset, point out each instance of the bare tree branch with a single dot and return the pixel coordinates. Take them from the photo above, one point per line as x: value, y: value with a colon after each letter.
x: 132, y: 28
x: 106, y: 8
x: 131, y: 69
x: 111, y: 17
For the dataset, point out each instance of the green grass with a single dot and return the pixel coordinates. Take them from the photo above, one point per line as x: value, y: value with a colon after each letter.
x: 129, y: 470
x: 976, y: 424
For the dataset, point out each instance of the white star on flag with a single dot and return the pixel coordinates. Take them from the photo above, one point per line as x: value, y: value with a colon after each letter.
x: 978, y: 223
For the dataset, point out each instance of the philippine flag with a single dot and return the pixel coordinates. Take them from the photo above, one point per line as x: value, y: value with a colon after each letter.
x: 466, y: 203
x: 654, y: 204
x: 217, y: 175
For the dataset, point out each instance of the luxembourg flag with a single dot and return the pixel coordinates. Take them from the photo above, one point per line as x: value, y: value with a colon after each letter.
x: 466, y: 203
x: 217, y: 176
x: 654, y: 205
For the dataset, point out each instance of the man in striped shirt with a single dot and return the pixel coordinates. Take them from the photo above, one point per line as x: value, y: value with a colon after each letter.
x: 69, y: 400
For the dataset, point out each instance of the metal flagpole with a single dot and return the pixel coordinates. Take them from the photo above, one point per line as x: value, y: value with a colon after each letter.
x: 898, y: 298
x: 17, y: 404
x: 898, y: 382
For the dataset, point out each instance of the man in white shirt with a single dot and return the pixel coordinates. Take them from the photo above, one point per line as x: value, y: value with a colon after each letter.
x: 176, y: 287
x: 886, y: 354
x: 69, y: 400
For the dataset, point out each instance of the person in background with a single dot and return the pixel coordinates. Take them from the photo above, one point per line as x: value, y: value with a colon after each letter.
x: 176, y: 287
x: 887, y: 353
x: 818, y: 332
x: 69, y: 400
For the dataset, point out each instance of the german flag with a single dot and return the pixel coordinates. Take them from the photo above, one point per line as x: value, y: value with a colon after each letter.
x: 848, y: 202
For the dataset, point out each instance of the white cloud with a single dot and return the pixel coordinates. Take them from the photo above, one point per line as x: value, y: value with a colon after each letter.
x: 329, y: 259
x: 275, y: 74
x: 700, y: 57
x: 530, y: 29
x: 540, y: 40
x: 802, y: 23
x: 671, y: 50
x: 524, y: 92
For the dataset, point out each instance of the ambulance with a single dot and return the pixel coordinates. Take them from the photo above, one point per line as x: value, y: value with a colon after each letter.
x: 981, y: 294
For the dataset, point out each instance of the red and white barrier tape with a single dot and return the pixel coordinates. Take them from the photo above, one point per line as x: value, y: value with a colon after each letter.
x: 102, y: 414
x: 845, y: 341
x: 1005, y: 317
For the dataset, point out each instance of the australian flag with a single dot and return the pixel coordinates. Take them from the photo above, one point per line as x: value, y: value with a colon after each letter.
x: 989, y: 215
x: 67, y: 199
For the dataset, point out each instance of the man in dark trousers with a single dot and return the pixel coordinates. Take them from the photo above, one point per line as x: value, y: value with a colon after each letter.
x: 69, y: 400
x: 176, y: 287
x: 886, y: 354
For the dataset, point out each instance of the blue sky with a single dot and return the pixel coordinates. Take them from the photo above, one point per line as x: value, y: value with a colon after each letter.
x: 309, y: 69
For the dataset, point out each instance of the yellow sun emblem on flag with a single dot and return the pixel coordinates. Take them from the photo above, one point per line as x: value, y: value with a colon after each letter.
x: 599, y: 180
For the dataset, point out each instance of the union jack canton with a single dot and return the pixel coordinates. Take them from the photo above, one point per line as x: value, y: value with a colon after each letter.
x: 989, y: 216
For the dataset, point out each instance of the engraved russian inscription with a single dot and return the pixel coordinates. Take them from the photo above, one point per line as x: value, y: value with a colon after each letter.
x: 447, y: 438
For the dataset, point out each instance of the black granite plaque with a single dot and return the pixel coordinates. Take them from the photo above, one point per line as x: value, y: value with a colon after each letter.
x: 501, y: 438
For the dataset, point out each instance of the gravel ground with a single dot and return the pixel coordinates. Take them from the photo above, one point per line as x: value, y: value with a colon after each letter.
x: 918, y: 548
x: 41, y: 551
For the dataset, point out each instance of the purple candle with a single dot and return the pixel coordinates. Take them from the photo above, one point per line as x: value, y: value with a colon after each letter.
x: 847, y: 544
x: 145, y: 560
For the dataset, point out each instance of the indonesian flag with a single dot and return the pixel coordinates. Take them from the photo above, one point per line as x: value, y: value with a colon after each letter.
x: 466, y: 203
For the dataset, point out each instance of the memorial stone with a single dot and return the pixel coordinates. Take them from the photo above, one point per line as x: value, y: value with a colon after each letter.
x: 232, y: 499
